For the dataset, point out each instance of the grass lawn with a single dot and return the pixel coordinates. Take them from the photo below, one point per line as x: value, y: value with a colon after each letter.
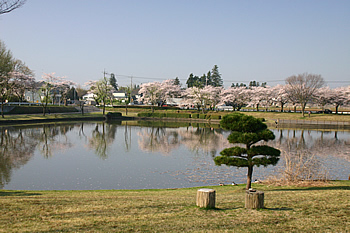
x: 132, y: 112
x: 28, y: 117
x: 269, y: 116
x: 287, y: 209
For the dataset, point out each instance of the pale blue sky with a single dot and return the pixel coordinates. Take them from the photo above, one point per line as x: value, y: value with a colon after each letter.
x: 163, y: 39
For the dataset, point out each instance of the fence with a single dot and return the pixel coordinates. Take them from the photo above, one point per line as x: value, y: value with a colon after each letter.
x: 313, y: 124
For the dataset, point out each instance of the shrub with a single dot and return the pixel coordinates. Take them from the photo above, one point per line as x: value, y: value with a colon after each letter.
x: 214, y: 117
x: 195, y: 115
x: 114, y: 114
x: 178, y: 115
x: 202, y: 116
x: 39, y: 109
x: 144, y: 114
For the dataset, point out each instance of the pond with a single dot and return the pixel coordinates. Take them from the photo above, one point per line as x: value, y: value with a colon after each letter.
x: 144, y: 155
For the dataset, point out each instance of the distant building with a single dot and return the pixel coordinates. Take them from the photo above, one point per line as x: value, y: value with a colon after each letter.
x: 174, y: 102
x: 89, y: 98
x: 119, y: 95
x: 33, y: 97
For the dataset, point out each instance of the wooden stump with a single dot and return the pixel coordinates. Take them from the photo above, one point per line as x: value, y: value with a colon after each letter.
x: 254, y: 199
x: 206, y: 198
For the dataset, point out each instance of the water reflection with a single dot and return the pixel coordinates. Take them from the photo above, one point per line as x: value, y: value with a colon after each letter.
x: 322, y: 143
x: 101, y: 138
x: 17, y: 146
x: 69, y: 153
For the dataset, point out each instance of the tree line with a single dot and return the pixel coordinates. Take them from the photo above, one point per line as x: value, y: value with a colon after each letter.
x: 299, y: 90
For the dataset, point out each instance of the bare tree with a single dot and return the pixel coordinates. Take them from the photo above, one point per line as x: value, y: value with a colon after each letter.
x: 7, y: 6
x: 301, y: 88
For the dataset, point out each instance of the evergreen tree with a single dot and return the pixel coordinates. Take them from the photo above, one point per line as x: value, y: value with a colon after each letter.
x: 216, y: 77
x: 113, y: 81
x: 202, y: 81
x: 209, y: 79
x: 247, y: 130
x: 193, y: 81
x: 177, y: 81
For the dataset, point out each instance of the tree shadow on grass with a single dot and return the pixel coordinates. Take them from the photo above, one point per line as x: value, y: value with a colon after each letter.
x: 279, y: 209
x: 314, y: 188
x: 17, y: 193
x: 218, y: 209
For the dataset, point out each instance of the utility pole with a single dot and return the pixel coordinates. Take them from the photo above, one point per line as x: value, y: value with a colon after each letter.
x: 104, y: 73
x: 131, y: 89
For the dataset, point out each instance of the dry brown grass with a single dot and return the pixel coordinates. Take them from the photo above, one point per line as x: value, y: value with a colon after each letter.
x: 288, y: 209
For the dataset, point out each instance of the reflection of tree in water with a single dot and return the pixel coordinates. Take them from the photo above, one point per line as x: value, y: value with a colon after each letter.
x: 51, y: 138
x: 306, y: 155
x: 322, y: 145
x: 158, y: 139
x: 15, y: 151
x: 102, y: 137
x: 332, y: 146
x: 198, y: 140
x: 201, y: 141
x: 205, y: 140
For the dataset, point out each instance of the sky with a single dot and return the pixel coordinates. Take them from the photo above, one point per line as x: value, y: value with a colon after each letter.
x: 144, y: 41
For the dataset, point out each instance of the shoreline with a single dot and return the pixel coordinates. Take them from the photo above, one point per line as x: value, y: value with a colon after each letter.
x: 278, y: 123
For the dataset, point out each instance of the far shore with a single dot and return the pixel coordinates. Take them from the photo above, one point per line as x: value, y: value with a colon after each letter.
x: 272, y: 119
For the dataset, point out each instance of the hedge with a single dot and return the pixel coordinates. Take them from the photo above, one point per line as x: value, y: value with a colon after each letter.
x: 178, y: 115
x: 195, y: 116
x: 144, y: 114
x: 214, y: 117
x: 114, y: 114
x: 39, y: 109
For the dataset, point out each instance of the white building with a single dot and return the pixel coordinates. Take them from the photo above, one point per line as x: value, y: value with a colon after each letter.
x: 32, y: 97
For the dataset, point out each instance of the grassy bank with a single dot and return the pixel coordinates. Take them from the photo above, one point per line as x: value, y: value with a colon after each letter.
x: 39, y: 118
x: 269, y: 116
x: 288, y: 209
x: 132, y: 112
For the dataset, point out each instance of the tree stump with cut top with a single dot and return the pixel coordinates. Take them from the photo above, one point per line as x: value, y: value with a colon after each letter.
x: 254, y: 199
x: 206, y: 198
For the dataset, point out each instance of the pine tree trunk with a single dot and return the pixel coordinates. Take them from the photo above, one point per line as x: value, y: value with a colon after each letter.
x: 249, y: 177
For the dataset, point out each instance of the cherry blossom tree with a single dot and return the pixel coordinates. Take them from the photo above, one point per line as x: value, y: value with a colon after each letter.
x: 156, y: 93
x: 236, y: 97
x: 169, y: 89
x: 102, y: 91
x: 52, y: 85
x: 302, y: 88
x: 279, y: 95
x: 323, y: 96
x: 21, y: 83
x: 340, y: 96
x: 199, y: 97
x: 257, y: 97
x: 215, y: 95
x: 150, y: 93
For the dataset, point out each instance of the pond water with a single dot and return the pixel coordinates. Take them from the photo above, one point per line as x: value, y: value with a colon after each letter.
x: 140, y: 155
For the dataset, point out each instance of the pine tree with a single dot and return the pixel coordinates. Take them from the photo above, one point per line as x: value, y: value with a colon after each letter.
x: 177, y: 81
x: 247, y: 130
x: 209, y: 79
x: 113, y: 81
x: 216, y: 77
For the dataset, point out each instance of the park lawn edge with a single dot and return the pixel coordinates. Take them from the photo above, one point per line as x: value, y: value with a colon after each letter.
x: 287, y: 208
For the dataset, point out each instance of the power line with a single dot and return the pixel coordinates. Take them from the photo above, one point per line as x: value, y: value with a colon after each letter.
x: 225, y: 81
